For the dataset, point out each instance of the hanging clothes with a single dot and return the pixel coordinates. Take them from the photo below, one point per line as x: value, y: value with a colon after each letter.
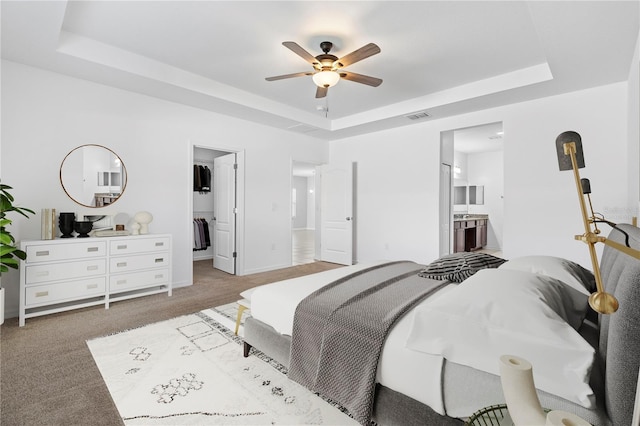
x: 201, y: 178
x: 197, y: 184
x: 205, y: 179
x: 201, y: 238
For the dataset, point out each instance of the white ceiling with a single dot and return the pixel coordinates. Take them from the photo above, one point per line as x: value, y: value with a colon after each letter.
x: 484, y: 138
x: 442, y: 57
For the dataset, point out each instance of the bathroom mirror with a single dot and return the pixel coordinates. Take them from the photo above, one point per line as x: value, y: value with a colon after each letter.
x: 93, y: 176
x: 459, y: 195
x: 476, y: 194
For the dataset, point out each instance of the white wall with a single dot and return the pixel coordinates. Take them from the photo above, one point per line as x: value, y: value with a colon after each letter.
x: 45, y: 115
x: 397, y: 192
x: 460, y: 178
x: 398, y: 176
x: 311, y: 202
x: 300, y: 184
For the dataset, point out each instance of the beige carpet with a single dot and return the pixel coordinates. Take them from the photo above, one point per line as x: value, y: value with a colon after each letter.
x: 47, y: 373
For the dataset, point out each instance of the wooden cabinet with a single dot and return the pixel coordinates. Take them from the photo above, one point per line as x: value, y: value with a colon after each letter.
x: 64, y: 274
x: 459, y: 237
x: 469, y: 234
x: 481, y: 234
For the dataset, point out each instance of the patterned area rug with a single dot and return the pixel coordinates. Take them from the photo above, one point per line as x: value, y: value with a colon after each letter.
x: 190, y: 370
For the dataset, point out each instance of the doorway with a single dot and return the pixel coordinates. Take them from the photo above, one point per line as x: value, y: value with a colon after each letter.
x: 303, y: 213
x: 476, y: 157
x: 326, y: 192
x: 218, y: 191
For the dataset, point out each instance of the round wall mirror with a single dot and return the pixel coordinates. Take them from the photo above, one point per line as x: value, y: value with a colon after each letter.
x: 93, y: 176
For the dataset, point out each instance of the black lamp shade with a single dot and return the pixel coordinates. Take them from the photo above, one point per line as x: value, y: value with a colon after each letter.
x: 564, y: 161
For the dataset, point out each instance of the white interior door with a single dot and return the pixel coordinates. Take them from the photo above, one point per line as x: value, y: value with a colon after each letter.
x: 336, y: 212
x: 224, y: 229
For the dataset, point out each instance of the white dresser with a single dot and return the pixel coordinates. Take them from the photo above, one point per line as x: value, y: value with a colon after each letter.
x: 71, y: 273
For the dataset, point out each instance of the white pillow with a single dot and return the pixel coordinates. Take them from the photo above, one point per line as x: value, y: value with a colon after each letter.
x: 561, y: 269
x: 497, y: 312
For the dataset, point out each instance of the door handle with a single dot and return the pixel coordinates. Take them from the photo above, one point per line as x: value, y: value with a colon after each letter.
x: 349, y: 218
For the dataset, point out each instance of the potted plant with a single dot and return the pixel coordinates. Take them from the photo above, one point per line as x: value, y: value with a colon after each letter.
x: 10, y: 255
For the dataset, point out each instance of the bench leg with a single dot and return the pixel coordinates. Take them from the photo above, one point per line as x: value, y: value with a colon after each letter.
x: 241, y: 309
x: 246, y: 348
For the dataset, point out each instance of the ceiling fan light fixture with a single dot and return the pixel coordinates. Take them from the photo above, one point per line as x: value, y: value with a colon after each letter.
x: 326, y: 78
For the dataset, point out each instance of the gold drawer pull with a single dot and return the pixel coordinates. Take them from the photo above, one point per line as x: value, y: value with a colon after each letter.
x: 43, y: 273
x: 121, y: 264
x: 120, y: 282
x: 159, y: 244
x: 159, y: 259
x: 90, y: 249
x: 42, y: 253
x: 42, y: 293
x: 92, y: 267
x: 122, y: 247
x: 90, y: 286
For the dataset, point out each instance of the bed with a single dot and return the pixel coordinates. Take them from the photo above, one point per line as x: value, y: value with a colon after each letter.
x: 438, y: 363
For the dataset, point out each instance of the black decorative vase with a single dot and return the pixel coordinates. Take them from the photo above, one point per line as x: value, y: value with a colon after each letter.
x: 65, y: 222
x: 83, y: 228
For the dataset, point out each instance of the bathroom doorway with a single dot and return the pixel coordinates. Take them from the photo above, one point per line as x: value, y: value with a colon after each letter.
x: 476, y: 156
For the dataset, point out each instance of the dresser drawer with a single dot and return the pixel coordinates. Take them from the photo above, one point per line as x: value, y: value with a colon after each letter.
x: 52, y: 252
x: 63, y: 271
x: 143, y: 245
x: 61, y: 292
x: 139, y: 262
x: 123, y: 282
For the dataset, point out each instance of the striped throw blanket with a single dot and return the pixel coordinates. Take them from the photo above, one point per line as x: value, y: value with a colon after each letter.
x: 340, y: 329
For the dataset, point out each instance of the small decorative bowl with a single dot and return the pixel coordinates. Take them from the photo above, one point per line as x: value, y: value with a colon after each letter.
x: 83, y: 228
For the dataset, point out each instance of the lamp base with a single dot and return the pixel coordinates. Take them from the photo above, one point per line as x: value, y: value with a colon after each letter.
x: 603, y: 303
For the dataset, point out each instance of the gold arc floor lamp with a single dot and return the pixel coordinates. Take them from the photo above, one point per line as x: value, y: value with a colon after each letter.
x: 571, y: 157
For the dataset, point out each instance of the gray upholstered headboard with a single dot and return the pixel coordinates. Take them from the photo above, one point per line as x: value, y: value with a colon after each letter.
x: 619, y: 349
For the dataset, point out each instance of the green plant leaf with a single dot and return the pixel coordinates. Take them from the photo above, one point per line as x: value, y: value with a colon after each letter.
x: 20, y: 254
x: 4, y: 250
x: 10, y: 255
x: 10, y: 262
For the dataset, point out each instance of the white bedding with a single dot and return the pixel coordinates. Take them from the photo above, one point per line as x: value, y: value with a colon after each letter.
x: 504, y: 311
x: 412, y: 373
x: 530, y: 313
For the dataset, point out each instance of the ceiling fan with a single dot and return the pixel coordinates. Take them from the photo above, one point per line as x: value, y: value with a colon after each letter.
x: 327, y: 68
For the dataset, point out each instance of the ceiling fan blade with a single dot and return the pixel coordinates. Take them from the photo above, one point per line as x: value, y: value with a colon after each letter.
x: 357, y: 55
x: 281, y: 77
x: 298, y: 50
x: 321, y: 92
x: 359, y: 78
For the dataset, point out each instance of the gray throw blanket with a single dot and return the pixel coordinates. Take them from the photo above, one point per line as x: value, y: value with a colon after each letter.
x: 340, y: 329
